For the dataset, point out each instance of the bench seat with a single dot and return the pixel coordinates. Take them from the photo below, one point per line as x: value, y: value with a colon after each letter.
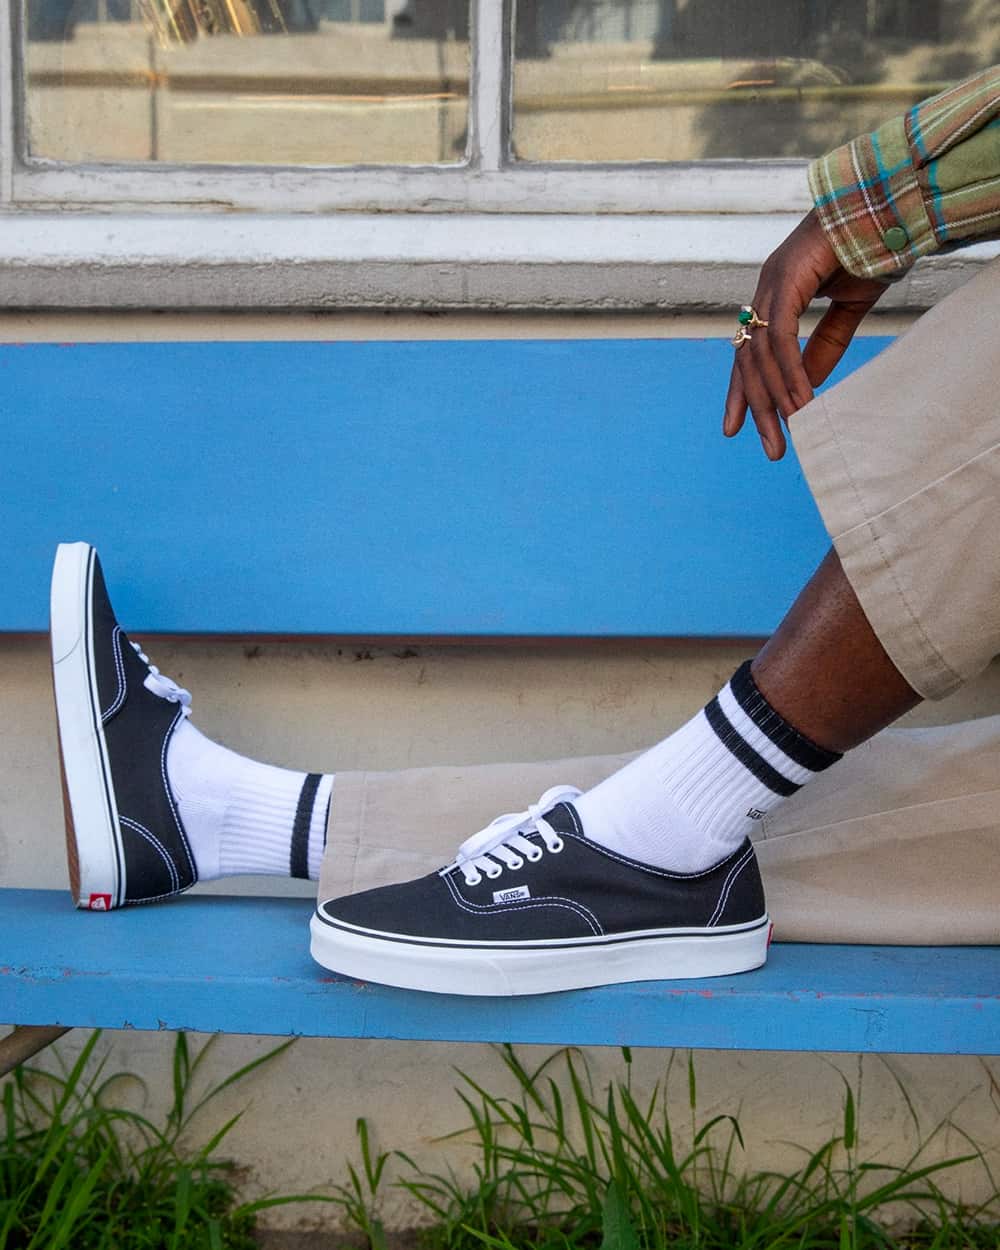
x: 466, y: 489
x: 241, y: 965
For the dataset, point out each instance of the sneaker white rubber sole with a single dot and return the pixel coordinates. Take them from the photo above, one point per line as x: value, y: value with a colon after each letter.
x: 495, y: 969
x: 93, y: 846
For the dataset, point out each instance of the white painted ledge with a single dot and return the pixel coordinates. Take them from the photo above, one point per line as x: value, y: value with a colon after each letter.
x: 684, y: 263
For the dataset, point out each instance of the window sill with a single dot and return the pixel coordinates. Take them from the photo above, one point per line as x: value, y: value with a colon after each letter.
x: 672, y: 264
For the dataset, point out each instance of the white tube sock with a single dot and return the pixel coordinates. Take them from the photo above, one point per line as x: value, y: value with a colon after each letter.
x: 241, y: 816
x: 692, y: 799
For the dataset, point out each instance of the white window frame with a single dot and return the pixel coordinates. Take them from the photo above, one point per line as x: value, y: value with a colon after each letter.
x: 485, y: 232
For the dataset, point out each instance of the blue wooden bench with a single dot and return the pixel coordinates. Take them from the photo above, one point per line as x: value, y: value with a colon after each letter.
x: 464, y: 489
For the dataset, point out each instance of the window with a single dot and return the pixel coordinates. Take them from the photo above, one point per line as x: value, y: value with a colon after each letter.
x: 331, y: 83
x: 695, y: 80
x: 686, y: 121
x: 245, y: 82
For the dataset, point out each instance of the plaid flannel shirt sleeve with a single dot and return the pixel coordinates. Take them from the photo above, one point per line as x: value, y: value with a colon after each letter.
x: 924, y: 181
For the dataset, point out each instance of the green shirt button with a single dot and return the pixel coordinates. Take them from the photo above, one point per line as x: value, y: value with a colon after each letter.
x: 895, y: 238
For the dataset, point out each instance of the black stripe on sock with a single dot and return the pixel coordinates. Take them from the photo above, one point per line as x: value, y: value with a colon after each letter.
x: 733, y: 740
x: 299, y: 855
x: 771, y: 723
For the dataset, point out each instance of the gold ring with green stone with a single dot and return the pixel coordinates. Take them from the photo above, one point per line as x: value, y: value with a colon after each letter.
x: 749, y: 320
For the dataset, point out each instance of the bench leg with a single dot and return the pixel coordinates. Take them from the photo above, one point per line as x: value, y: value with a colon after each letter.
x: 25, y: 1041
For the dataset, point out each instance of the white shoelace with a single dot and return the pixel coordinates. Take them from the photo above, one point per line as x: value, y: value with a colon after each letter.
x: 503, y: 844
x: 163, y: 686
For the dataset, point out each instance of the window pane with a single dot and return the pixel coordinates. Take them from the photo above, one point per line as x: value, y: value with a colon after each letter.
x: 277, y: 82
x: 679, y: 80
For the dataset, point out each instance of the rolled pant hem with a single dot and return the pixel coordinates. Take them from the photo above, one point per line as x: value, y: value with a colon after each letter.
x: 858, y: 541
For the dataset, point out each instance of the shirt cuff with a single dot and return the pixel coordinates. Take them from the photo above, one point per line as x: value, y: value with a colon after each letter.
x: 870, y: 203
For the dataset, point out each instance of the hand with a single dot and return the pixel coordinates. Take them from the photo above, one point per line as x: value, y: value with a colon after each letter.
x: 771, y: 376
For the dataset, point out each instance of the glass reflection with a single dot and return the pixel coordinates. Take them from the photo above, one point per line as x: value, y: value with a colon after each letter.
x: 680, y: 80
x: 277, y: 82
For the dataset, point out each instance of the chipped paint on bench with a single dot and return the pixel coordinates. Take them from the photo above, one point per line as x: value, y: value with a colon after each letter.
x: 241, y: 965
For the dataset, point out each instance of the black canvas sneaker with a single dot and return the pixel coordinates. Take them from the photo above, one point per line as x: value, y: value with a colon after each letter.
x: 531, y: 905
x: 124, y: 839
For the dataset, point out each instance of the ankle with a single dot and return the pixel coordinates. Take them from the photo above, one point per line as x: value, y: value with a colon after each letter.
x: 243, y: 816
x: 692, y: 799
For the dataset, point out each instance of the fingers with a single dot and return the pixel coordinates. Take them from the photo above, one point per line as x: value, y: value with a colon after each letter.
x: 831, y: 338
x: 757, y: 383
x: 759, y: 357
x: 773, y: 380
x: 736, y: 405
x: 765, y: 412
x: 739, y: 400
x: 783, y: 347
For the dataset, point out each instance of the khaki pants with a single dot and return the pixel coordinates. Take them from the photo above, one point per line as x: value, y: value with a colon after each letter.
x: 903, y: 459
x: 899, y: 842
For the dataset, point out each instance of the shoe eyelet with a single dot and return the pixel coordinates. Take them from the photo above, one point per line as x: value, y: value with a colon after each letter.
x: 557, y: 846
x: 474, y: 880
x: 533, y: 856
x: 493, y: 875
x: 515, y: 864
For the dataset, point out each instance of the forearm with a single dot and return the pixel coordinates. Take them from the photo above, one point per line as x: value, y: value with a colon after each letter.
x: 927, y: 180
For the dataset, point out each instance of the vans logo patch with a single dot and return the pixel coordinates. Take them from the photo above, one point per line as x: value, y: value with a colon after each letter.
x: 512, y: 895
x: 99, y: 902
x: 756, y: 814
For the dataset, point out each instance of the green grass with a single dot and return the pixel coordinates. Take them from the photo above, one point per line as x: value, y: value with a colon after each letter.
x: 78, y: 1171
x: 558, y: 1165
x: 562, y: 1164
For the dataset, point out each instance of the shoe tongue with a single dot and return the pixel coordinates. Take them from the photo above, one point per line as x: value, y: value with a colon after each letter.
x: 561, y: 818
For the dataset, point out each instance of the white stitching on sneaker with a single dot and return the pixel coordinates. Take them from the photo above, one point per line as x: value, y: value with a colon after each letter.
x: 559, y: 900
x: 580, y: 836
x: 157, y: 898
x: 181, y: 712
x: 637, y: 863
x: 164, y: 687
x: 504, y: 837
x: 574, y: 817
x: 156, y: 844
x: 167, y: 689
x: 578, y: 909
x: 119, y: 699
x: 727, y: 885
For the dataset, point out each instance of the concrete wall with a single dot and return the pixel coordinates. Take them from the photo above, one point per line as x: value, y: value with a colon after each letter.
x: 329, y: 706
